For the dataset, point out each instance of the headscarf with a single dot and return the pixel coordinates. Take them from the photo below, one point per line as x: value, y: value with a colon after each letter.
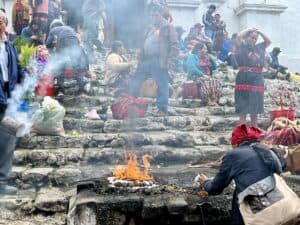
x: 243, y: 133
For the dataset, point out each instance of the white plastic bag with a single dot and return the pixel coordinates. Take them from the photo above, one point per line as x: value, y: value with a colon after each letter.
x: 48, y: 120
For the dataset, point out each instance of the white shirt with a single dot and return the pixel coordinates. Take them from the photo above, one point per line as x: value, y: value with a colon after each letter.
x: 4, y: 62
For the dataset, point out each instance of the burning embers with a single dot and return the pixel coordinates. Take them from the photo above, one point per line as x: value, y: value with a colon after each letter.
x: 131, y: 175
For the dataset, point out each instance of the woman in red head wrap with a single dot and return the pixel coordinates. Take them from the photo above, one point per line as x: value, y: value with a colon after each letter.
x: 249, y: 163
x: 243, y: 133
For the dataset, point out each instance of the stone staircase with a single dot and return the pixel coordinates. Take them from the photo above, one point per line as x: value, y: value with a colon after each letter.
x: 47, y: 167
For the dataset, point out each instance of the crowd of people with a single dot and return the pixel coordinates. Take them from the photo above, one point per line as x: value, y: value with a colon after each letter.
x: 66, y: 37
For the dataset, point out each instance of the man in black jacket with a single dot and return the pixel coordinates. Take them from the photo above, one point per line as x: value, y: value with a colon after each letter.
x: 10, y: 75
x: 244, y: 165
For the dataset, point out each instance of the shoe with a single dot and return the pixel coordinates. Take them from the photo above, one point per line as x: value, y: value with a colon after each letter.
x: 7, y: 190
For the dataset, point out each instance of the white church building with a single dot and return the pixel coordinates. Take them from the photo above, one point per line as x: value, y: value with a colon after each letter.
x: 279, y: 19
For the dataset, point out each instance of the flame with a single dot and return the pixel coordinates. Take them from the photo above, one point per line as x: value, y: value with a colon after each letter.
x: 132, y: 171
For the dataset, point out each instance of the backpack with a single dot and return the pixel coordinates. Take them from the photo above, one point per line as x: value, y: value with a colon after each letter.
x: 129, y: 107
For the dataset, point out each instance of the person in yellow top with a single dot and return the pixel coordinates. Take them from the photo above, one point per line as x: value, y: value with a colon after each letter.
x: 20, y: 15
x: 117, y: 68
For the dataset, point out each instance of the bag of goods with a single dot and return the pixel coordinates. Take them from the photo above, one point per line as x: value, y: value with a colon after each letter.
x: 129, y: 107
x: 190, y: 90
x: 48, y: 120
x: 293, y: 159
x: 149, y: 89
x: 45, y: 86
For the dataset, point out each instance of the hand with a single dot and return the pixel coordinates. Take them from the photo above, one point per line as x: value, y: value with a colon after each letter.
x: 202, y: 179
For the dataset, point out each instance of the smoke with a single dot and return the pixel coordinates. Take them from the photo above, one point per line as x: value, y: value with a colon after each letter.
x: 19, y: 108
x: 15, y: 101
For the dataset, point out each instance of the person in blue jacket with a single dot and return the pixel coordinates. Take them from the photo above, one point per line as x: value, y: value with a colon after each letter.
x: 11, y: 74
x: 227, y: 52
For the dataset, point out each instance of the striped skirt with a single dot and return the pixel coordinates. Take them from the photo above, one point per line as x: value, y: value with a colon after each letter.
x: 209, y: 88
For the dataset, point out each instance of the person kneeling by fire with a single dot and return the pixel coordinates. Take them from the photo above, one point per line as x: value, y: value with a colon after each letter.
x: 261, y: 196
x: 200, y: 66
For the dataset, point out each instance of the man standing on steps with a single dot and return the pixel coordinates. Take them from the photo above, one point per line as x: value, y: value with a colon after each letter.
x: 10, y: 74
x: 208, y: 20
x: 93, y: 12
x: 159, y: 54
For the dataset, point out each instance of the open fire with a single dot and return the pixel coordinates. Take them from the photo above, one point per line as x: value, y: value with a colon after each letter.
x: 131, y: 175
x: 132, y: 171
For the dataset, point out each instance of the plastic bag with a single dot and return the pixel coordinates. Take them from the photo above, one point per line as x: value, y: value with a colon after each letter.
x: 48, y: 120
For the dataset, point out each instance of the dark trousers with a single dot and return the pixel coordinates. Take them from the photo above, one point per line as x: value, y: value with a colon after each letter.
x: 7, y: 147
x: 151, y: 67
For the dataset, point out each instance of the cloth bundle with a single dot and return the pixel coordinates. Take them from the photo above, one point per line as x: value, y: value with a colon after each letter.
x: 284, y: 132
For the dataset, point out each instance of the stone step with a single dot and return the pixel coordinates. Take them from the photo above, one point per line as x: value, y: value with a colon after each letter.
x: 48, y: 157
x: 150, y: 123
x: 161, y: 155
x: 177, y: 139
x: 85, y: 101
x: 35, y: 178
x: 84, y: 125
x: 47, y: 206
x: 98, y: 101
x: 79, y: 113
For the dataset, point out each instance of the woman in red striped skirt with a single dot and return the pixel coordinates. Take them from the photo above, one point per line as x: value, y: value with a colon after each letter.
x: 249, y: 88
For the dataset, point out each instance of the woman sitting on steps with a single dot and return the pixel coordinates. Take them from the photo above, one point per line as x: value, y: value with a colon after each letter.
x: 199, y: 66
x: 117, y: 69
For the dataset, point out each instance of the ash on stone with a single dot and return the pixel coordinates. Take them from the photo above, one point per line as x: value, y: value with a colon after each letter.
x: 133, y: 184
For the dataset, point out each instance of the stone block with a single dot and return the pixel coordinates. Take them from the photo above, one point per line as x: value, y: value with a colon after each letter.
x: 177, y: 206
x: 51, y: 200
x: 66, y: 176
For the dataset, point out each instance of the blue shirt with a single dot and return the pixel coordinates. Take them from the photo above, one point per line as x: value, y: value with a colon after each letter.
x: 226, y: 48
